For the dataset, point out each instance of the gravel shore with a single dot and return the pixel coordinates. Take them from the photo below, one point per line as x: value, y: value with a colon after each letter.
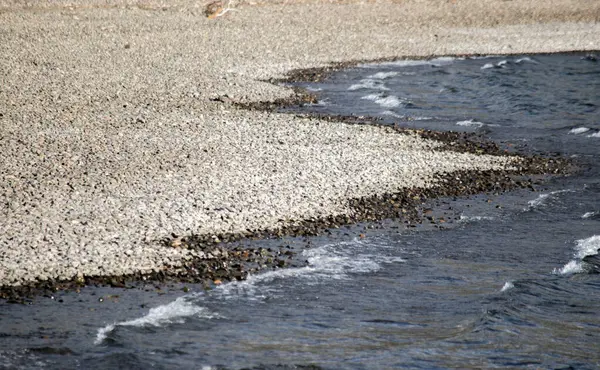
x: 120, y: 125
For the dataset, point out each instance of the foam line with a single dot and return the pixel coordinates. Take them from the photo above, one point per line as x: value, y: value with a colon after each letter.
x: 172, y: 312
x: 470, y: 123
x: 579, y: 130
x: 368, y: 84
x: 386, y: 101
x: 329, y: 262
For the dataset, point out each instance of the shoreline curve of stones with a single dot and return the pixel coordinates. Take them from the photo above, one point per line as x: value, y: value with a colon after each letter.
x: 220, y: 258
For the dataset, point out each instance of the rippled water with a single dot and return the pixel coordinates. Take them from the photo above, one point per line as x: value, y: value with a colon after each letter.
x: 512, y: 282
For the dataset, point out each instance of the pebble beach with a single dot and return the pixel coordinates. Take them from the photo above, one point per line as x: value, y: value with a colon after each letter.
x: 121, y: 126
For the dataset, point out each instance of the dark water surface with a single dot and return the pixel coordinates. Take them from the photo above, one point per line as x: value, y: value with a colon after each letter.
x: 512, y: 282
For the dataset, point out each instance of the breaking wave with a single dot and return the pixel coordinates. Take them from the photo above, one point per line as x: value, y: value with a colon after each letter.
x: 329, y: 262
x: 174, y: 312
x: 584, y: 248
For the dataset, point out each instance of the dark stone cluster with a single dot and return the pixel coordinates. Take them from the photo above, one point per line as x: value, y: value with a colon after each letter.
x: 223, y: 261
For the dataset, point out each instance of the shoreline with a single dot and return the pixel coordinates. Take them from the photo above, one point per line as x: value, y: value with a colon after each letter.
x: 109, y: 123
x: 401, y: 206
x: 229, y: 260
x: 225, y: 259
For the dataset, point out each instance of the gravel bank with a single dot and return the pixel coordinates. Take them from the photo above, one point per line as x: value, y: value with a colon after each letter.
x: 119, y: 126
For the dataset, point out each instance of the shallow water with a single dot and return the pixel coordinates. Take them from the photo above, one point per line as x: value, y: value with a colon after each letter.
x: 504, y: 285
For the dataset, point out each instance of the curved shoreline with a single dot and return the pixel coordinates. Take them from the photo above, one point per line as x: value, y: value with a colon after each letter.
x: 103, y: 153
x: 223, y: 257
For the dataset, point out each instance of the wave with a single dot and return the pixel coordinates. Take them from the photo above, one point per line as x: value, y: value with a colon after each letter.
x: 508, y: 285
x: 407, y: 118
x: 436, y: 62
x: 542, y: 198
x: 585, y: 248
x: 573, y: 267
x: 500, y: 64
x: 391, y: 114
x: 589, y: 214
x: 384, y: 75
x: 579, y: 130
x: 474, y: 218
x: 503, y: 63
x: 369, y: 84
x: 174, y: 312
x: 386, y: 101
x: 470, y: 123
x: 525, y: 59
x: 329, y: 262
x: 597, y: 134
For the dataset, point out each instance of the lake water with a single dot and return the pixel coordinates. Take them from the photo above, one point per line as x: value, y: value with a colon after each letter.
x: 513, y: 281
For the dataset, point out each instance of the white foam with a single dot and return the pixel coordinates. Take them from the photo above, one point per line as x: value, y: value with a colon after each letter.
x: 470, y: 123
x: 508, y: 285
x: 391, y: 114
x: 330, y: 262
x: 584, y: 248
x: 474, y: 218
x: 322, y: 268
x: 173, y: 312
x: 538, y: 201
x: 525, y: 59
x: 369, y: 84
x: 579, y: 130
x: 502, y: 63
x: 314, y: 89
x: 487, y: 66
x: 573, y: 267
x: 389, y: 101
x: 589, y: 214
x: 103, y: 333
x: 597, y: 134
x: 587, y: 247
x: 541, y: 199
x: 383, y: 75
x: 371, y: 97
x: 436, y: 62
x: 386, y: 101
x: 479, y: 57
x: 408, y: 63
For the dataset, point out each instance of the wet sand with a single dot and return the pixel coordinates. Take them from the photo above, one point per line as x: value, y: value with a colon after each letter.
x: 120, y: 124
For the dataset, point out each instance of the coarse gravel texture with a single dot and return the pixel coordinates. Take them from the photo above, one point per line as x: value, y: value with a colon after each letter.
x: 114, y: 135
